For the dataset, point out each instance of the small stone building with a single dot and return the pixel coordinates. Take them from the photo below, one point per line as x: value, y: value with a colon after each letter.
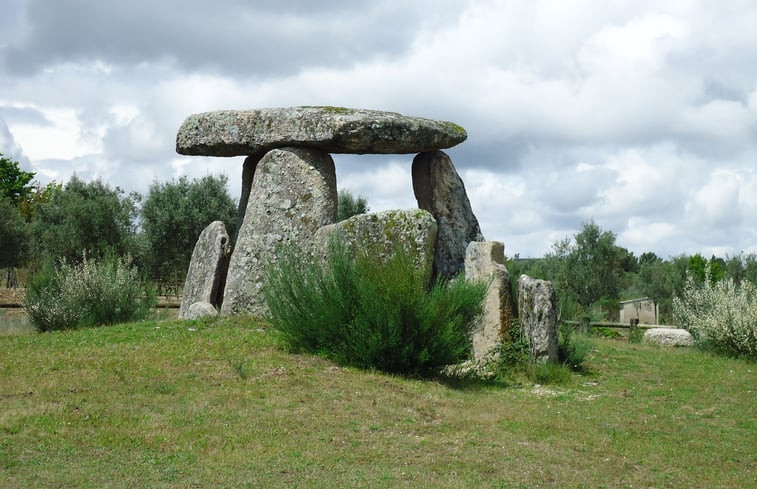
x: 643, y: 309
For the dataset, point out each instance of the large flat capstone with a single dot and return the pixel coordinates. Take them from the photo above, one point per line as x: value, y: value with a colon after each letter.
x: 331, y: 129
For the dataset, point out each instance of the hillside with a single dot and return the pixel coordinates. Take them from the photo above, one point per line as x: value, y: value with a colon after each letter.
x: 193, y: 404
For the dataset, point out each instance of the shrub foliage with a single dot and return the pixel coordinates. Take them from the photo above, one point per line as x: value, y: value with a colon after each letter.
x: 91, y: 293
x: 720, y: 315
x: 366, y: 312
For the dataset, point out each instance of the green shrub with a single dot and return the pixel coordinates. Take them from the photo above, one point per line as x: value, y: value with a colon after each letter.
x: 605, y: 332
x: 514, y: 354
x: 721, y: 316
x: 368, y: 312
x: 572, y: 348
x: 94, y: 292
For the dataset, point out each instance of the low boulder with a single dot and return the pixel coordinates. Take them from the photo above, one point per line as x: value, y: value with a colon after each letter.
x: 200, y: 310
x: 668, y: 337
x: 380, y: 233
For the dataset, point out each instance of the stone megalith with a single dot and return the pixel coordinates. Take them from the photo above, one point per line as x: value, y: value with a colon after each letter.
x: 331, y: 129
x: 485, y: 261
x: 293, y: 194
x: 379, y: 234
x: 440, y: 190
x: 538, y: 317
x: 207, y: 268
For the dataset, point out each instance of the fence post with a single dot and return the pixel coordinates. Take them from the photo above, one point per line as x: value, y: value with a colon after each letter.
x: 634, y: 323
x: 583, y: 326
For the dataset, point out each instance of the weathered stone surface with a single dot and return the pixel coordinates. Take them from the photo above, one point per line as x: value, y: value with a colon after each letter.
x: 379, y: 234
x: 439, y: 190
x: 200, y: 310
x: 538, y: 317
x: 293, y: 194
x: 669, y: 337
x: 207, y: 268
x: 485, y: 261
x: 332, y: 129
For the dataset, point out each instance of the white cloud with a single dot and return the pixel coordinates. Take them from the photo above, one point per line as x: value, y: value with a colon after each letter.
x: 640, y: 115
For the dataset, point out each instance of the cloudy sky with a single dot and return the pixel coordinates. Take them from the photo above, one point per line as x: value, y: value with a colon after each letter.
x: 641, y: 115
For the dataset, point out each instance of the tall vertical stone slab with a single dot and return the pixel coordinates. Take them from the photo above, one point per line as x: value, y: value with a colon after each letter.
x: 293, y: 194
x: 485, y: 261
x: 248, y: 172
x: 207, y: 268
x: 538, y: 317
x: 440, y: 190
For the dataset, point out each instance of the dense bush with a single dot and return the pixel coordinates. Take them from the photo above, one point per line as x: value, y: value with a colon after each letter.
x: 721, y: 315
x: 93, y: 292
x: 83, y: 218
x: 362, y: 311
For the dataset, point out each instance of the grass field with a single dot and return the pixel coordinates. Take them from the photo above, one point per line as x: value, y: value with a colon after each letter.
x: 191, y: 404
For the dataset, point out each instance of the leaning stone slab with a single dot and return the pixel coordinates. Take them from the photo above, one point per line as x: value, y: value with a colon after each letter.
x: 332, y: 129
x: 381, y: 233
x: 538, y: 317
x: 207, y: 268
x: 440, y: 190
x: 668, y: 337
x: 485, y: 261
x: 293, y: 194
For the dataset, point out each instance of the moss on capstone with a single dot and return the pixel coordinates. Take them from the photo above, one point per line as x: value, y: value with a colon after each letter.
x: 457, y: 128
x: 329, y: 108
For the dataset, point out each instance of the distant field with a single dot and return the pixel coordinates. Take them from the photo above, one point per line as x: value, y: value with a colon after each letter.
x: 177, y: 404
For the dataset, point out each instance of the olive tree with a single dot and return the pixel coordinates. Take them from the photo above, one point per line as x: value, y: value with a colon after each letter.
x: 174, y: 214
x: 84, y: 218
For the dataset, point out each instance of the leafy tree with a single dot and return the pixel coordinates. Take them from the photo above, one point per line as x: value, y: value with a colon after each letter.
x: 741, y: 267
x: 349, y: 205
x: 591, y: 266
x: 12, y: 234
x: 175, y: 213
x: 37, y: 196
x: 697, y: 265
x: 656, y: 280
x: 14, y: 182
x: 84, y: 218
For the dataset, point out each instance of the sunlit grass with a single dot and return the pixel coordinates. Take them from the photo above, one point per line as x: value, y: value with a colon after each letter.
x: 220, y: 404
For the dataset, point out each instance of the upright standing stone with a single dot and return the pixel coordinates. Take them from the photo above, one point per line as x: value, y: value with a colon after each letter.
x: 440, y: 190
x: 538, y: 317
x: 485, y: 261
x: 293, y: 194
x: 207, y: 268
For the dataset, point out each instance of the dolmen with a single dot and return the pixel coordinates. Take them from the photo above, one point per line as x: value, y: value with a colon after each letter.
x: 289, y: 188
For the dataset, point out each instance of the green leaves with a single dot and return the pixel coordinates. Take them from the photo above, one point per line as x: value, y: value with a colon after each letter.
x: 14, y: 182
x: 175, y: 213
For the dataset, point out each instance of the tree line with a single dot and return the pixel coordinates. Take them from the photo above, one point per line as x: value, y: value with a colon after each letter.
x: 55, y: 222
x: 592, y: 274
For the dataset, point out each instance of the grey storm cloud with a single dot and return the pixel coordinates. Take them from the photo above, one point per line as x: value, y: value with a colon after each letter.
x: 253, y: 38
